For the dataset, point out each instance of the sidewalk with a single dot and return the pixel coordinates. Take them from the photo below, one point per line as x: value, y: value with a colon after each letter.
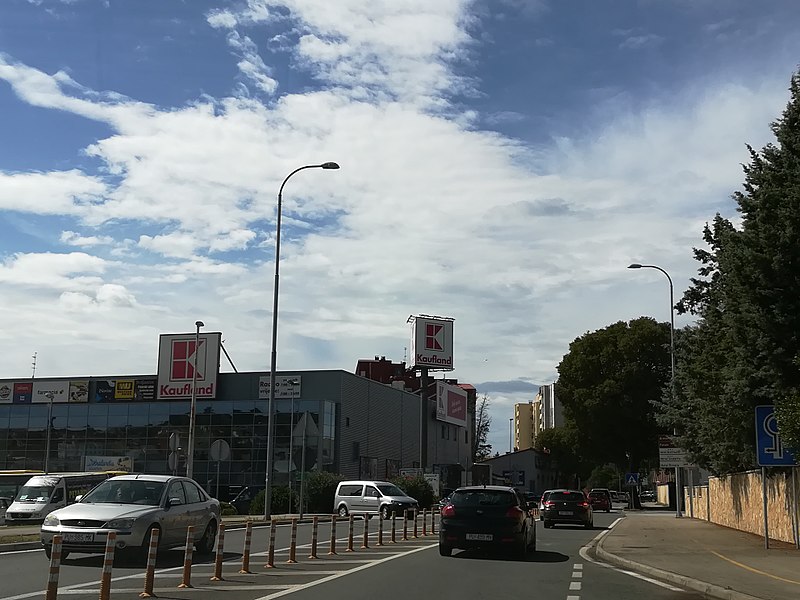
x: 715, y: 560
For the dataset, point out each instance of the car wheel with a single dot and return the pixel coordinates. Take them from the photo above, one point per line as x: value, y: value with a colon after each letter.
x: 547, y: 524
x: 445, y: 550
x: 205, y: 544
x: 384, y: 512
x: 608, y: 510
x: 343, y: 511
x: 48, y: 551
x: 522, y: 547
x: 589, y: 525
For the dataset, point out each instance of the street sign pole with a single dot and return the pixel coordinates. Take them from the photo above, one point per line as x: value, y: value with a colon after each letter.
x: 795, y: 513
x: 764, y: 494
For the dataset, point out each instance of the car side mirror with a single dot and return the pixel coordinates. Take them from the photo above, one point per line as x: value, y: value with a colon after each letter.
x: 78, y: 498
x: 174, y: 502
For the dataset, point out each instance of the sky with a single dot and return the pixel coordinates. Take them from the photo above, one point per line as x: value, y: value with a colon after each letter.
x: 502, y: 162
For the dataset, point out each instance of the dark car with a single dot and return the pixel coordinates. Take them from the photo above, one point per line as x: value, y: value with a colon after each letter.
x: 243, y: 499
x: 567, y: 506
x: 605, y: 493
x: 599, y: 500
x: 489, y: 517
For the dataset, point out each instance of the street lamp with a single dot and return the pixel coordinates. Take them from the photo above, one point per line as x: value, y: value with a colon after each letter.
x: 193, y: 410
x: 510, y: 427
x: 274, y: 355
x: 672, y: 365
x: 49, y: 396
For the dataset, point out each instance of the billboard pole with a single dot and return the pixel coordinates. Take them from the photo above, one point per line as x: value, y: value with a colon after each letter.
x: 423, y: 405
x: 193, y: 409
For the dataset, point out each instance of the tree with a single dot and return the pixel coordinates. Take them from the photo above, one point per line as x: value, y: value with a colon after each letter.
x: 561, y: 443
x: 609, y: 383
x: 481, y: 449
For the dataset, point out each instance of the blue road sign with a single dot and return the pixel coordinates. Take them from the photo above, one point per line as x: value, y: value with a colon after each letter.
x: 771, y: 451
x: 631, y: 478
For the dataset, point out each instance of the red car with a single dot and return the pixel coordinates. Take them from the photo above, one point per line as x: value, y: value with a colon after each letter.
x: 600, y: 500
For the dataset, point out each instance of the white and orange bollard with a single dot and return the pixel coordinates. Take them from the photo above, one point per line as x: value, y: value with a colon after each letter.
x: 380, y: 531
x: 55, y: 568
x: 273, y: 527
x: 405, y: 525
x: 416, y: 522
x: 248, y: 538
x: 350, y: 535
x: 365, y: 540
x: 424, y: 522
x: 220, y: 556
x: 186, y: 580
x: 150, y: 573
x: 108, y: 563
x: 433, y: 522
x: 314, y: 533
x: 332, y: 547
x: 293, y: 544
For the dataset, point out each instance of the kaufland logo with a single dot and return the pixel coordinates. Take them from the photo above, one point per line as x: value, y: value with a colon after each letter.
x: 434, y: 337
x: 182, y: 360
x: 433, y: 360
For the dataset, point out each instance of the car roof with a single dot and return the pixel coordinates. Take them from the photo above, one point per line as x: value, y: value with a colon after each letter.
x: 144, y: 477
x: 365, y: 482
x: 496, y: 488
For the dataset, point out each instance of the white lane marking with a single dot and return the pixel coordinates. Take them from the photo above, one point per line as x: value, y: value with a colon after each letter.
x: 343, y: 573
x: 577, y: 566
x: 165, y: 591
x: 573, y: 598
x: 584, y: 552
x: 574, y: 586
x: 22, y: 551
x: 577, y: 574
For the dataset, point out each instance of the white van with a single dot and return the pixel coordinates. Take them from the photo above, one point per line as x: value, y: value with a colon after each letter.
x: 43, y: 494
x: 371, y: 498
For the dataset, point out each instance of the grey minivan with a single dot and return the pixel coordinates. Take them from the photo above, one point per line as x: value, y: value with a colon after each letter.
x: 372, y: 498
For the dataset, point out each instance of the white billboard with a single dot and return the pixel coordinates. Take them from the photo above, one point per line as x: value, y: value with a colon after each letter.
x: 107, y: 463
x: 43, y: 389
x: 176, y: 360
x: 451, y: 404
x: 286, y: 386
x: 432, y: 343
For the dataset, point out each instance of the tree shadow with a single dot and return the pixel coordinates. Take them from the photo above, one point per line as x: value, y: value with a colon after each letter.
x: 538, y: 556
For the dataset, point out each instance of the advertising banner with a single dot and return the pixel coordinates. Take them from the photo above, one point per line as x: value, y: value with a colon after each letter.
x: 177, y: 357
x: 108, y: 463
x: 123, y: 390
x: 285, y: 387
x: 104, y: 390
x: 432, y: 343
x: 23, y: 392
x: 59, y: 390
x: 79, y: 391
x: 145, y: 390
x: 451, y: 404
x: 6, y: 393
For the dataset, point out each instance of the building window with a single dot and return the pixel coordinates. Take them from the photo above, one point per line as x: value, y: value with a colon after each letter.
x: 443, y: 428
x: 347, y: 421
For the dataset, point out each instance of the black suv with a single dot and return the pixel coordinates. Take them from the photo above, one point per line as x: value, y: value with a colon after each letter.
x: 567, y: 506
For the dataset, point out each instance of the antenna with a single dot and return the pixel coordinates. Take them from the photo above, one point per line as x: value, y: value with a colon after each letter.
x: 33, y: 366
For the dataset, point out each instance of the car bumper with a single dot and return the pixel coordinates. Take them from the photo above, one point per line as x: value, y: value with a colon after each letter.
x: 457, y: 537
x: 580, y: 518
x: 91, y: 541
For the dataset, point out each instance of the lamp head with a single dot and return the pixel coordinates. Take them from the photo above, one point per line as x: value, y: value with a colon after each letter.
x: 635, y: 266
x: 199, y: 324
x: 329, y: 165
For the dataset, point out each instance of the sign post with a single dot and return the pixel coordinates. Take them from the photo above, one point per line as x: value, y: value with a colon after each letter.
x: 220, y: 450
x: 672, y: 457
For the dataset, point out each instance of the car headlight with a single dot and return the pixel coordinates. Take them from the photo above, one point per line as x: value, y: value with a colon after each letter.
x: 51, y: 521
x: 120, y: 523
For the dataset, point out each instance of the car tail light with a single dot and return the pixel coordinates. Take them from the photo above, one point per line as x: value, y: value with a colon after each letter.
x: 449, y: 511
x: 514, y: 512
x: 548, y: 504
x: 584, y: 504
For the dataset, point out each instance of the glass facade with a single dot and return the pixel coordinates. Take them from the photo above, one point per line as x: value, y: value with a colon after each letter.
x: 141, y: 431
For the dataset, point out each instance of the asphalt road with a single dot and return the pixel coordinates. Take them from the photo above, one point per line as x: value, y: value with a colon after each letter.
x: 411, y: 569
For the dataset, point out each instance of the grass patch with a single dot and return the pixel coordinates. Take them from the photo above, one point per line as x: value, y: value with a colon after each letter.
x: 13, y: 539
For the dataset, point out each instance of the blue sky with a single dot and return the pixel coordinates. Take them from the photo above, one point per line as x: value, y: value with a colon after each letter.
x: 502, y: 162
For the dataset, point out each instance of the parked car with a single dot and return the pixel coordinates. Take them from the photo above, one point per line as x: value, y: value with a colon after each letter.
x: 371, y: 498
x: 542, y: 500
x: 243, y: 499
x: 568, y: 506
x: 4, y: 504
x: 443, y: 501
x: 599, y: 501
x: 532, y: 499
x: 614, y: 496
x: 606, y: 493
x: 494, y: 517
x: 134, y: 505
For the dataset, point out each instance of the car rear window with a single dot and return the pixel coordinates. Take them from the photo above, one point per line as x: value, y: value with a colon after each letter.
x: 483, y: 498
x: 597, y: 494
x: 566, y: 497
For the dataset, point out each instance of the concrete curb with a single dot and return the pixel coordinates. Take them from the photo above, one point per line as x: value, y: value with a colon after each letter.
x: 17, y: 546
x: 709, y: 589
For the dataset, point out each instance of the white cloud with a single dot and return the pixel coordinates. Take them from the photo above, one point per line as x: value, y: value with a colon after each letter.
x: 57, y: 192
x: 72, y: 238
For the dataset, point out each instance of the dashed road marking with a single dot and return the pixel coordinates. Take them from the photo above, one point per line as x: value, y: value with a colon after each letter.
x: 574, y: 586
x: 577, y: 574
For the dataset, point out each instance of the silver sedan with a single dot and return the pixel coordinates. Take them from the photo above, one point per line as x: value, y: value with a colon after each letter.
x: 134, y: 505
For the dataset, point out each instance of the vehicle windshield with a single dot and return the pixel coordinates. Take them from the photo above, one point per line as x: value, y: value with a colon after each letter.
x: 483, y: 498
x: 139, y: 491
x: 35, y: 493
x: 566, y: 497
x: 391, y: 490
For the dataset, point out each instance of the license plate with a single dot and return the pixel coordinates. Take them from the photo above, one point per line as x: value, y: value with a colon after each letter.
x: 479, y: 537
x: 79, y: 537
x: 565, y: 513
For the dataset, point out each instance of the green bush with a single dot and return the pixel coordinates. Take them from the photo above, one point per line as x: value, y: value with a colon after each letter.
x: 320, y: 489
x: 280, y: 501
x: 416, y: 487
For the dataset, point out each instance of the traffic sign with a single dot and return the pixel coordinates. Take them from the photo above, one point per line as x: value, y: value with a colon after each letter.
x: 771, y: 451
x: 669, y: 455
x: 631, y: 478
x: 220, y: 450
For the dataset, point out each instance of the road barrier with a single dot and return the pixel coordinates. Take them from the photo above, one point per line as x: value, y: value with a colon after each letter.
x: 55, y: 567
x: 150, y: 573
x: 293, y: 545
x: 220, y: 553
x: 433, y: 522
x: 424, y: 522
x: 416, y: 521
x: 332, y: 548
x: 314, y: 533
x: 248, y: 539
x: 394, y: 526
x: 380, y: 531
x: 365, y: 540
x: 186, y: 581
x: 350, y: 535
x: 405, y: 525
x: 273, y: 527
x: 108, y: 563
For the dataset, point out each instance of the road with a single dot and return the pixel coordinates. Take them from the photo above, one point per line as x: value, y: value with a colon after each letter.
x: 407, y: 569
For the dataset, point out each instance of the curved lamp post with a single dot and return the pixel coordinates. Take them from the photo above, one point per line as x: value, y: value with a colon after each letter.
x: 274, y: 355
x: 672, y: 364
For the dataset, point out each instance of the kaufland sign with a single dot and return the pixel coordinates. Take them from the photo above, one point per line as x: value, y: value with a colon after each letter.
x: 451, y: 404
x: 177, y: 356
x: 432, y: 343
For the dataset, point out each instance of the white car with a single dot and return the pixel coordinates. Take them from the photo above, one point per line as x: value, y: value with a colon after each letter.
x: 4, y: 504
x: 134, y: 505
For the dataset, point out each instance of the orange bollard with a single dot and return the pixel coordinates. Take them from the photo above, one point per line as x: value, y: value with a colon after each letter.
x: 220, y: 553
x: 55, y: 567
x: 394, y: 522
x: 108, y: 563
x: 380, y: 531
x: 424, y: 522
x: 314, y: 531
x: 187, y: 559
x: 405, y: 525
x: 415, y: 523
x: 293, y: 544
x: 248, y: 538
x: 365, y: 541
x: 150, y: 573
x: 332, y: 548
x: 433, y: 522
x: 273, y: 527
x: 350, y: 536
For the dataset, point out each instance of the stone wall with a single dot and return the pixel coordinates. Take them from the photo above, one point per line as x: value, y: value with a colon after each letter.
x: 736, y: 501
